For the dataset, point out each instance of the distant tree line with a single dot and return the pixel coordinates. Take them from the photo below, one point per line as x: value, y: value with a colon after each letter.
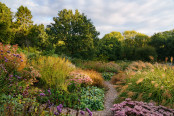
x: 74, y: 35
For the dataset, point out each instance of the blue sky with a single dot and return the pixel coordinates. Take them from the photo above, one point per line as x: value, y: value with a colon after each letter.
x: 145, y: 16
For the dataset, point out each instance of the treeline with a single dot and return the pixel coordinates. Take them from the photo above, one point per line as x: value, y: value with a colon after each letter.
x: 74, y: 35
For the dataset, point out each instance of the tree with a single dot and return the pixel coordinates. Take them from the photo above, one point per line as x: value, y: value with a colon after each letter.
x: 76, y: 31
x: 38, y: 36
x: 23, y: 17
x: 141, y: 40
x: 23, y: 24
x: 163, y: 43
x: 110, y: 46
x: 133, y: 40
x: 6, y: 35
x: 129, y: 34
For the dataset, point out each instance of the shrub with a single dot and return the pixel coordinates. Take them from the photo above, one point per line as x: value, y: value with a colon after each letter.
x: 102, y: 67
x: 15, y: 76
x: 107, y: 76
x: 54, y: 71
x: 135, y: 108
x: 11, y: 60
x: 144, y: 53
x: 54, y: 96
x: 78, y: 79
x: 96, y: 77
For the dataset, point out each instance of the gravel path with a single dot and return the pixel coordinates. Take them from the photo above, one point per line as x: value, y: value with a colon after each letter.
x: 110, y: 96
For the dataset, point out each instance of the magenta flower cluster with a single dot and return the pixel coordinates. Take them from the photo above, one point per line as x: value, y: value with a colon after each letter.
x: 129, y: 107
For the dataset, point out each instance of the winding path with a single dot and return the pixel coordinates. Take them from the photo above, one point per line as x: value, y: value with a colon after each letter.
x: 110, y: 96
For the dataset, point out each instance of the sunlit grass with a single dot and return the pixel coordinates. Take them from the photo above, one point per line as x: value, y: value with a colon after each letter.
x: 147, y: 82
x: 54, y: 71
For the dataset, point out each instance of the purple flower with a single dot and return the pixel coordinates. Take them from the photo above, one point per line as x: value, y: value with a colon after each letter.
x: 49, y: 91
x: 8, y: 51
x: 1, y: 54
x: 1, y: 50
x: 56, y: 113
x: 59, y: 109
x: 21, y: 60
x: 60, y: 105
x: 42, y: 94
x: 128, y: 99
x: 19, y: 77
x: 14, y: 54
x: 90, y: 113
x: 82, y: 112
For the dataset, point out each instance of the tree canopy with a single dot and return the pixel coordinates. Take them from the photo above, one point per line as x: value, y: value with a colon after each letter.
x: 76, y: 31
x: 5, y: 24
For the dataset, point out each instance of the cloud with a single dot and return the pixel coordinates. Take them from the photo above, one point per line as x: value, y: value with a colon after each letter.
x: 146, y: 16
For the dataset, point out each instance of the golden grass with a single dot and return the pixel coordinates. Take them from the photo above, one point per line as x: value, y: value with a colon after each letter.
x: 53, y: 70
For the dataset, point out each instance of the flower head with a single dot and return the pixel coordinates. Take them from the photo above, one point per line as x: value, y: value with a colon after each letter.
x: 90, y: 113
x: 82, y: 112
x: 42, y: 94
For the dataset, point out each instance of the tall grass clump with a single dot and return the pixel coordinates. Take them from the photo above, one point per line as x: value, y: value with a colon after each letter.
x: 149, y: 82
x: 54, y: 71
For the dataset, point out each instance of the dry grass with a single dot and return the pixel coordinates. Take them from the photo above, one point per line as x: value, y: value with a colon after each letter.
x: 120, y: 77
x: 102, y: 66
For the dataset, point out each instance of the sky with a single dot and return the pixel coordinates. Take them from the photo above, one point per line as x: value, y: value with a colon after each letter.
x: 144, y: 16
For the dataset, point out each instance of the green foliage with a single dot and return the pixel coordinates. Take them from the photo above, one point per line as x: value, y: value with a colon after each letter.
x: 92, y: 98
x: 54, y: 71
x: 133, y: 41
x: 23, y: 17
x: 130, y: 34
x: 76, y: 31
x: 6, y: 35
x: 107, y: 76
x: 163, y: 43
x: 102, y: 66
x: 145, y: 53
x: 110, y: 46
x: 19, y: 106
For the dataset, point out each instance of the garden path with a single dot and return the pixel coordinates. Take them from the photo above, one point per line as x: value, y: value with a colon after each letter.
x: 110, y: 96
